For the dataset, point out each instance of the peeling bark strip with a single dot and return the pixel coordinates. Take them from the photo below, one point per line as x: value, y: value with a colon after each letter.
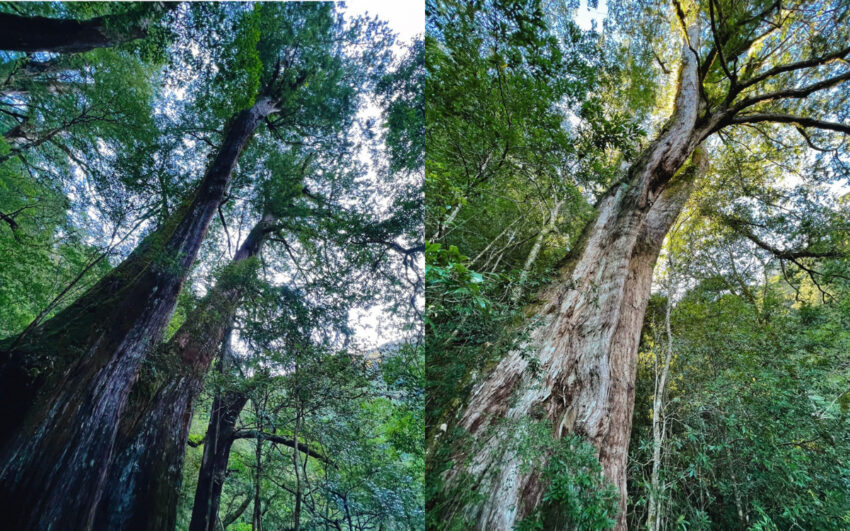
x: 42, y: 34
x: 587, y: 343
x: 144, y: 477
x: 64, y: 387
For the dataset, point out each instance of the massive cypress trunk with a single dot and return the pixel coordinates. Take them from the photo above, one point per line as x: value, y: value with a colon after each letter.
x: 64, y: 385
x: 42, y: 34
x: 587, y: 334
x: 143, y: 482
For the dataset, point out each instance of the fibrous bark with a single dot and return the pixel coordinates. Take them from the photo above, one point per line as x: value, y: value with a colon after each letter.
x: 585, y: 340
x: 586, y: 337
x: 64, y: 385
x: 143, y: 482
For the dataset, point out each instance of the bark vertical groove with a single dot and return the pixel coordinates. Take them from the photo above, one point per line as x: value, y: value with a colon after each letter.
x: 143, y: 482
x: 63, y: 388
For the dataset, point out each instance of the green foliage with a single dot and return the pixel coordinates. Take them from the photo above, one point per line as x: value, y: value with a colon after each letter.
x: 401, y: 92
x: 755, y: 391
x: 243, y: 75
x: 576, y: 495
x: 577, y: 487
x: 40, y: 254
x: 465, y: 329
x: 404, y: 371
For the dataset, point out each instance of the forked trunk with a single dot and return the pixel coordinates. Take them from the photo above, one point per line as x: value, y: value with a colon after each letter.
x: 586, y: 337
x: 143, y: 481
x: 64, y: 385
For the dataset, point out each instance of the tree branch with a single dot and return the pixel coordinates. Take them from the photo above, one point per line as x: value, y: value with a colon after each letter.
x: 718, y: 45
x: 790, y: 119
x: 801, y: 92
x: 807, y: 63
x: 255, y: 434
x: 740, y: 226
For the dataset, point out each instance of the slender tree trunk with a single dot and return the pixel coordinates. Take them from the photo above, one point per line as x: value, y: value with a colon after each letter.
x: 218, y: 440
x: 296, y: 513
x: 587, y: 338
x: 257, y: 519
x: 143, y: 482
x: 217, y: 446
x: 739, y: 505
x: 548, y: 227
x: 653, y: 520
x: 63, y: 388
x: 41, y: 34
x: 444, y: 225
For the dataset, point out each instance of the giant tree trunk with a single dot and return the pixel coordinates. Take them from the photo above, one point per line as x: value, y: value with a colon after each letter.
x: 64, y: 385
x: 143, y: 482
x: 587, y: 338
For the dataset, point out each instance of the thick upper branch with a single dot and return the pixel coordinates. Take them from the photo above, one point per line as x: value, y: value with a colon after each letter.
x: 254, y: 434
x: 807, y: 63
x: 790, y: 119
x: 796, y: 92
x: 42, y: 34
x: 742, y: 228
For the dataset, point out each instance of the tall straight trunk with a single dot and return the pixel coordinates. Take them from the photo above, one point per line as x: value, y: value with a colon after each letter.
x: 257, y: 518
x: 143, y: 482
x: 41, y: 34
x: 296, y: 512
x: 653, y: 519
x: 63, y: 386
x: 587, y: 338
x: 219, y: 439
